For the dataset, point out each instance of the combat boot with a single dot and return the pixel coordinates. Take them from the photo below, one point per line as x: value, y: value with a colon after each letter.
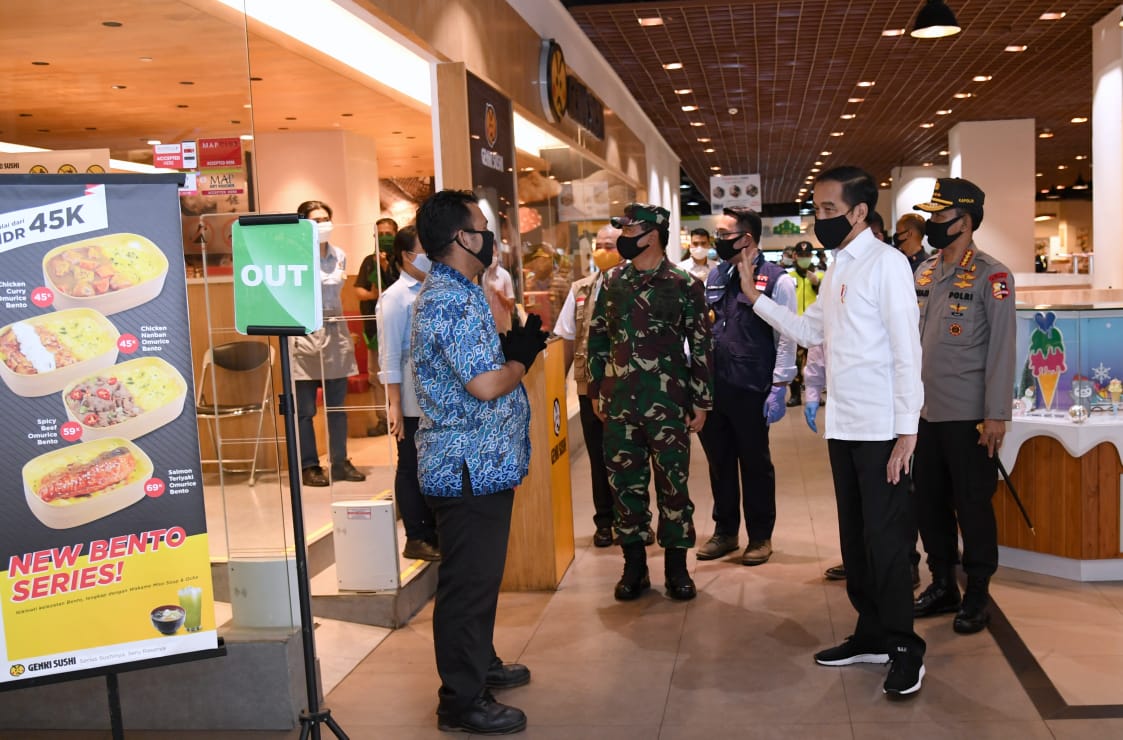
x: 635, y: 579
x: 679, y: 584
x: 972, y: 615
x: 941, y: 597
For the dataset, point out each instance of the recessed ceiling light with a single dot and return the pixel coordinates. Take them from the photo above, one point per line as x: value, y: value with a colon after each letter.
x: 1043, y: 191
x: 1039, y: 174
x: 153, y: 142
x: 838, y: 133
x: 689, y: 202
x: 673, y: 65
x: 145, y: 59
x: 41, y: 64
x: 982, y: 78
x: 867, y: 83
x: 1015, y: 48
x: 962, y: 96
x: 815, y: 169
x: 1081, y: 156
x: 1079, y: 119
x: 654, y: 20
x: 848, y: 116
x: 246, y: 137
x: 884, y: 184
x: 943, y: 112
x: 855, y: 100
x: 818, y: 162
x: 943, y: 152
x: 186, y: 82
x: 715, y: 168
x: 247, y: 105
x: 709, y: 150
x: 704, y: 140
x: 824, y: 154
x: 684, y: 91
x: 689, y: 108
x: 926, y: 164
x: 1046, y: 134
x: 1051, y: 16
x: 697, y: 123
x: 927, y: 124
x: 112, y: 24
x: 893, y: 32
x: 1062, y: 166
x: 684, y: 186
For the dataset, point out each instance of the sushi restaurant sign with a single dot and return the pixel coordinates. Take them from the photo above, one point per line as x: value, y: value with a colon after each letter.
x: 103, y: 544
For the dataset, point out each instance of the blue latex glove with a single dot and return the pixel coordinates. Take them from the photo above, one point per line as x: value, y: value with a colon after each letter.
x: 774, y: 406
x: 810, y: 408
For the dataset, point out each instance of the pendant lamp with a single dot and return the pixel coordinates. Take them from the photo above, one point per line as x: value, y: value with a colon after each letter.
x: 935, y: 20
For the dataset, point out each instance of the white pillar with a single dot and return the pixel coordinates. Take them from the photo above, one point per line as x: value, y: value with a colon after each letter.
x: 1107, y: 151
x: 998, y: 156
x: 911, y: 185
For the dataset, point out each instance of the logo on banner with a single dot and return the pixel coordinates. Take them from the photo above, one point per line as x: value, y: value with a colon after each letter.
x: 491, y: 125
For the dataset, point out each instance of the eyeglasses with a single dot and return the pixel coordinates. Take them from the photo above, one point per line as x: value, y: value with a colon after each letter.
x: 729, y: 234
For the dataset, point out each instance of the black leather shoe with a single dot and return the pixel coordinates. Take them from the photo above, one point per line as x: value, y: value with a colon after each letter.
x: 506, y: 676
x: 941, y: 597
x: 676, y: 579
x: 314, y: 476
x: 602, y: 537
x: 420, y: 550
x: 346, y: 471
x: 835, y: 573
x: 484, y: 716
x: 972, y: 615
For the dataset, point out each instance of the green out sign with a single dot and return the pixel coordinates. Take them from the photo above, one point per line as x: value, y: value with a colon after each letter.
x: 276, y: 276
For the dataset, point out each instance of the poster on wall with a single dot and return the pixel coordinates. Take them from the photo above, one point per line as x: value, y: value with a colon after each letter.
x: 52, y: 162
x: 103, y: 543
x: 729, y: 191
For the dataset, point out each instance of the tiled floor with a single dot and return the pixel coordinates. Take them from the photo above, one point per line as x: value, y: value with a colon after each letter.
x: 736, y: 662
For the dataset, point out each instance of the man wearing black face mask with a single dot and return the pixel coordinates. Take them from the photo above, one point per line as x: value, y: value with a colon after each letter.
x: 909, y: 239
x: 866, y: 318
x: 649, y: 395
x: 967, y: 329
x: 753, y: 365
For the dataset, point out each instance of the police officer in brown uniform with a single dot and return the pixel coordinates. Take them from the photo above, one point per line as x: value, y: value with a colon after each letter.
x: 967, y: 334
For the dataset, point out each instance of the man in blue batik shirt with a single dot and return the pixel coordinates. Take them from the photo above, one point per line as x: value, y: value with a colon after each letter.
x: 473, y: 448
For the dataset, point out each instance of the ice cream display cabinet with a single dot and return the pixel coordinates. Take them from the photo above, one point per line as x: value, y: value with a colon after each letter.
x: 1063, y: 446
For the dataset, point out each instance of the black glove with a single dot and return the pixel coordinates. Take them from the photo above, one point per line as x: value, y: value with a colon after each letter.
x: 523, y: 343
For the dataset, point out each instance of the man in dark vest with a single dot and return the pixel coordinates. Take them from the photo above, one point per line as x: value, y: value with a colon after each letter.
x: 753, y: 364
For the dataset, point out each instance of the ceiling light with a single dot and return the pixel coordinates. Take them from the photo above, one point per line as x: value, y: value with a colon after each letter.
x: 838, y: 133
x: 684, y: 186
x: 697, y: 123
x: 1045, y: 134
x: 1051, y: 16
x: 1081, y: 156
x: 1079, y: 119
x: 824, y: 154
x: 654, y: 20
x: 982, y: 78
x: 689, y: 108
x: 1039, y: 174
x: 884, y: 184
x: 689, y: 202
x: 704, y: 140
x: 926, y: 164
x: 962, y: 96
x: 1044, y: 216
x: 927, y: 124
x: 1080, y: 184
x: 814, y: 169
x: 893, y: 32
x: 1062, y: 166
x: 866, y: 83
x: 855, y: 100
x: 818, y: 163
x: 935, y: 20
x: 715, y: 168
x: 684, y: 91
x: 709, y: 150
x: 153, y: 142
x: 246, y: 137
x: 673, y: 65
x: 1015, y: 48
x: 848, y: 116
x: 943, y: 112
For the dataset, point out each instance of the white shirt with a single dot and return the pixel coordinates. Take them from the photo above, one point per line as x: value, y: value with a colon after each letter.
x: 566, y: 324
x: 698, y: 271
x: 497, y: 281
x: 867, y: 320
x: 395, y: 315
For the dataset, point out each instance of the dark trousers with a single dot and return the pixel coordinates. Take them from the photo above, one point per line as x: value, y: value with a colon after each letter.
x: 473, y: 534
x: 416, y: 517
x: 735, y: 438
x: 592, y: 429
x: 876, y: 528
x: 955, y: 481
x: 335, y: 392
x: 796, y: 386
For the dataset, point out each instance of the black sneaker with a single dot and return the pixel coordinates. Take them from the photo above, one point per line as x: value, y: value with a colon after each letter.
x: 851, y: 652
x: 905, y: 673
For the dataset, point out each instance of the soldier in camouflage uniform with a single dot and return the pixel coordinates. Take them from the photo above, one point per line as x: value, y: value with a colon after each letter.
x: 650, y: 395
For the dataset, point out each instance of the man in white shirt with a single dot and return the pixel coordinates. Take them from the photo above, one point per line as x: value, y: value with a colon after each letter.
x: 499, y: 289
x: 699, y: 263
x: 867, y: 320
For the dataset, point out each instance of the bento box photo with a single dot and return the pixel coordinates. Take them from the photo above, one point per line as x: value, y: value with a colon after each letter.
x: 78, y: 484
x: 126, y: 400
x: 111, y: 273
x: 45, y: 353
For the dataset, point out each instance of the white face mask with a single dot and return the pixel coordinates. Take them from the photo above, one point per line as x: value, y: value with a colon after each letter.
x: 323, y: 231
x: 699, y: 253
x: 421, y: 262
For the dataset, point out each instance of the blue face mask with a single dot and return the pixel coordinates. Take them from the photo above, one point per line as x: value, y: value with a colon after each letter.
x: 421, y: 262
x: 712, y: 254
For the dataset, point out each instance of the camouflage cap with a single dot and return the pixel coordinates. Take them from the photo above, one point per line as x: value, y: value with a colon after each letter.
x: 635, y: 213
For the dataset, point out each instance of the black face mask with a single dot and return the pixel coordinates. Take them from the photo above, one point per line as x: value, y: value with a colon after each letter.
x: 938, y: 235
x: 487, y: 251
x: 628, y: 246
x: 898, y: 240
x: 831, y: 232
x: 725, y: 248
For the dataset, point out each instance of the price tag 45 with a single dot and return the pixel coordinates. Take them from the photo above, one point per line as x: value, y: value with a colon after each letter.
x: 43, y: 297
x: 127, y: 344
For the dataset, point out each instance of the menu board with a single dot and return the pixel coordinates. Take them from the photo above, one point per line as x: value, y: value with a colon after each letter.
x: 103, y: 542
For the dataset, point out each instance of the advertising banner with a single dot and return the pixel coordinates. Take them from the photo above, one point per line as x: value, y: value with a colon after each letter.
x: 729, y: 191
x: 62, y: 162
x: 103, y: 542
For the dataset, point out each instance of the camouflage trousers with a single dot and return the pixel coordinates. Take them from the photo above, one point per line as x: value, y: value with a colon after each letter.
x: 632, y: 449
